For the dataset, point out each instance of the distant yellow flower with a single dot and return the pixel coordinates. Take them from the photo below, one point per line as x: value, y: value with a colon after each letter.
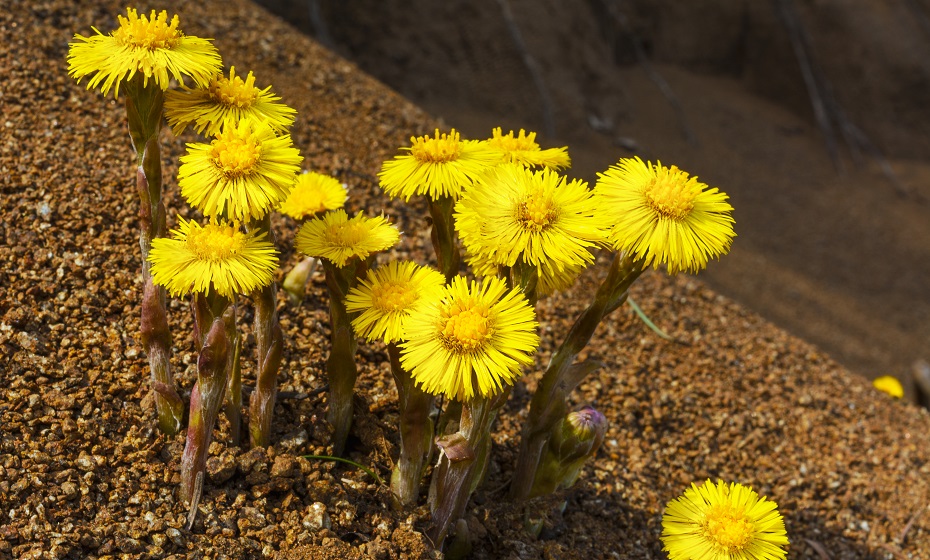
x: 524, y: 150
x: 242, y: 174
x: 890, y: 385
x: 152, y: 46
x: 215, y: 257
x: 313, y: 193
x: 664, y: 216
x: 436, y: 166
x: 207, y: 108
x: 513, y: 213
x: 723, y: 522
x: 473, y: 340
x: 387, y: 296
x: 336, y: 238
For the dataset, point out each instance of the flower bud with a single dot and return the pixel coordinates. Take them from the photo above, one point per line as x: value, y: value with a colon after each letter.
x: 572, y: 441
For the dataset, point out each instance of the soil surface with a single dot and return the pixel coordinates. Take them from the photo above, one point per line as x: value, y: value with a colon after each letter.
x: 834, y: 251
x: 84, y: 474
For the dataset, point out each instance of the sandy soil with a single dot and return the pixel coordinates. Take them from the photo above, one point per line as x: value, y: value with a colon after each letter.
x: 84, y: 475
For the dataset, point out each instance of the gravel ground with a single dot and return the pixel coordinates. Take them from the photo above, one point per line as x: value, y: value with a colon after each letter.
x: 83, y: 474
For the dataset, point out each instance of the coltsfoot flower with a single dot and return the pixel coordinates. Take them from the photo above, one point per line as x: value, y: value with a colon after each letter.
x: 337, y: 238
x: 438, y: 166
x: 723, y: 522
x: 314, y: 193
x: 514, y: 213
x: 549, y: 280
x: 242, y: 174
x: 151, y: 45
x: 207, y: 108
x: 890, y: 385
x: 664, y: 216
x: 214, y: 257
x: 473, y: 340
x: 524, y: 150
x: 385, y: 299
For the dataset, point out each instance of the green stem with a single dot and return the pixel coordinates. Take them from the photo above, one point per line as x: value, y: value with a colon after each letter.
x: 443, y: 236
x: 233, y: 406
x: 144, y: 117
x: 416, y: 432
x: 549, y: 404
x: 341, y: 371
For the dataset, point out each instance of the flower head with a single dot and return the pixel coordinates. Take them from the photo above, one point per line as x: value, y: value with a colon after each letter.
x: 664, y: 216
x: 207, y: 108
x: 548, y: 280
x: 890, y: 385
x: 473, y: 340
x: 335, y: 237
x: 524, y: 150
x: 387, y: 296
x: 723, y: 522
x: 215, y: 257
x: 150, y: 45
x: 514, y: 213
x: 242, y: 174
x: 313, y: 193
x: 437, y: 166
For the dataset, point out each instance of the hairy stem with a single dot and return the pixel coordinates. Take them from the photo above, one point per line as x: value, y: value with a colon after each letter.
x: 341, y: 371
x: 416, y: 432
x: 443, y: 236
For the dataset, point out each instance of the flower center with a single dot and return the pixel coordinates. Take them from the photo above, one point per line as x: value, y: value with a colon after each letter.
x: 671, y: 193
x: 152, y: 32
x: 466, y: 329
x: 392, y: 296
x: 511, y: 143
x: 348, y: 234
x: 232, y: 91
x: 536, y: 213
x: 442, y: 148
x: 727, y: 527
x: 235, y: 152
x: 215, y: 242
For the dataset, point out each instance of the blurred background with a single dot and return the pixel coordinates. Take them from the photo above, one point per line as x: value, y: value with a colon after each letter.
x: 813, y: 115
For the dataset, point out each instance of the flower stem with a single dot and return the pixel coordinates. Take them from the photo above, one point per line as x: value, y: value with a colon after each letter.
x: 207, y: 395
x: 443, y: 236
x: 269, y: 343
x: 233, y: 406
x: 341, y: 371
x: 562, y: 375
x: 462, y: 463
x: 416, y: 432
x: 144, y: 115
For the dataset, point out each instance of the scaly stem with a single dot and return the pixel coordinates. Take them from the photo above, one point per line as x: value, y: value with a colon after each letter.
x: 233, y: 406
x: 341, y: 371
x: 207, y: 395
x: 462, y: 463
x: 443, y: 236
x: 549, y: 404
x: 144, y: 115
x: 416, y: 432
x: 268, y: 343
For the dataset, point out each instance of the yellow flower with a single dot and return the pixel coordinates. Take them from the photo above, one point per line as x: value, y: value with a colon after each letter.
x: 723, y: 522
x: 473, y: 340
x: 890, y: 385
x: 664, y: 216
x: 387, y: 296
x: 335, y: 237
x: 213, y: 257
x: 524, y: 150
x: 152, y: 46
x: 207, y: 108
x: 313, y: 193
x: 437, y: 166
x: 244, y: 173
x: 539, y: 218
x: 549, y: 281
